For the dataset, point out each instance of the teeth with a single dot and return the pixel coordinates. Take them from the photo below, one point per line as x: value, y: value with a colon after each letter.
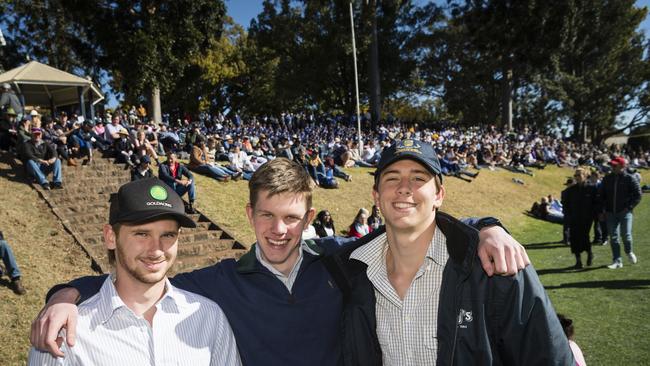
x: 278, y: 242
x: 403, y: 205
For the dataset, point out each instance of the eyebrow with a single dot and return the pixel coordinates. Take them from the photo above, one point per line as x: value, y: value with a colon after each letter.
x: 416, y: 171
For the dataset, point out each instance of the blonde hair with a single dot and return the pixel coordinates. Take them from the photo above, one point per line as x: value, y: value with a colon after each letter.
x: 279, y: 176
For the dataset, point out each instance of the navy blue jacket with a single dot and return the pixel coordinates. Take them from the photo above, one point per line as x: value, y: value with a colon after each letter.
x: 271, y: 325
x: 481, y: 320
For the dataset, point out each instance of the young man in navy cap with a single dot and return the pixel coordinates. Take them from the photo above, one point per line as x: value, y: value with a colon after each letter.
x: 138, y: 317
x: 417, y: 295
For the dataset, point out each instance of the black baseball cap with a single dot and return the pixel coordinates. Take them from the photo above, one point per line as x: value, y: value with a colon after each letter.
x: 415, y: 150
x: 146, y: 200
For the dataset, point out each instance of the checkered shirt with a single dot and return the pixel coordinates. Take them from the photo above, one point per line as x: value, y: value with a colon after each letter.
x: 407, y: 329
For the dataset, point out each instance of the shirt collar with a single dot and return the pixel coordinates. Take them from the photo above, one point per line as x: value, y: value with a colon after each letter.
x: 373, y: 253
x: 109, y: 301
x: 303, y: 247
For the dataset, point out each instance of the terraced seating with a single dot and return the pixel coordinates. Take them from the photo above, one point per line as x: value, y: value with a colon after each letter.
x: 83, y: 207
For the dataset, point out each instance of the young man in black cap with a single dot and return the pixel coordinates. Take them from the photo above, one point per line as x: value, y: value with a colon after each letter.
x: 158, y: 323
x: 417, y: 295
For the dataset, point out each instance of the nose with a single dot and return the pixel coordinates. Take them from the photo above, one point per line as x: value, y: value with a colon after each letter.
x: 278, y: 226
x: 404, y: 186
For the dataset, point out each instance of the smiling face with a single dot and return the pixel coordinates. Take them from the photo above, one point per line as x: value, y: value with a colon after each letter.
x: 145, y: 252
x: 278, y: 221
x: 407, y: 196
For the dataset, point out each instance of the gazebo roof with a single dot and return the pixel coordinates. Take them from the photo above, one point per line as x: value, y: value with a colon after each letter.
x: 39, y: 83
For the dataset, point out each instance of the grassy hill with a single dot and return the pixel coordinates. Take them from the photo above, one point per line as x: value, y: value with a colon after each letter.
x: 608, y: 307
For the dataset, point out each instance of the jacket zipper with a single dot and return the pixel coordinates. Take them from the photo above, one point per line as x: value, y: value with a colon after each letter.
x: 453, y: 348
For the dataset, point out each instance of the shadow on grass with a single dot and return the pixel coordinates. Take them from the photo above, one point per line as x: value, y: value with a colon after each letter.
x: 569, y: 269
x: 545, y: 245
x: 608, y: 285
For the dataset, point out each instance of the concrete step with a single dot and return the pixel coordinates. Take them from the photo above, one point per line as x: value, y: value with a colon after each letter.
x: 206, y: 247
x: 75, y: 190
x: 188, y: 263
x: 93, y: 234
x: 79, y: 174
x: 70, y: 200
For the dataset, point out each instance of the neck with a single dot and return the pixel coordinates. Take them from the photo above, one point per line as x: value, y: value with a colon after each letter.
x: 140, y: 297
x: 407, y: 248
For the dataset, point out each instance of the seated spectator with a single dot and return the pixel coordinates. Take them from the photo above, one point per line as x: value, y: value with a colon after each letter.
x: 40, y: 159
x: 112, y: 130
x: 239, y: 162
x: 23, y: 134
x: 336, y: 171
x: 11, y: 266
x: 201, y: 164
x: 172, y: 173
x: 324, y: 224
x: 326, y: 179
x: 567, y: 326
x: 142, y: 170
x: 267, y: 147
x: 375, y: 220
x: 359, y: 226
x: 169, y: 139
x: 7, y: 129
x: 545, y: 211
x: 125, y: 150
x: 144, y: 147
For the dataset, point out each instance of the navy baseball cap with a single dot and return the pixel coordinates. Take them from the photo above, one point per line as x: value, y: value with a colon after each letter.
x: 415, y: 150
x: 146, y: 200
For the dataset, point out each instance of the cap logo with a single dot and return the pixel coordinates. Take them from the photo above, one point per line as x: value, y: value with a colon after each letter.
x: 408, y: 145
x: 158, y: 193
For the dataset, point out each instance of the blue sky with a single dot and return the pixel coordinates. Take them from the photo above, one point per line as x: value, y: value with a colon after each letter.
x: 242, y: 11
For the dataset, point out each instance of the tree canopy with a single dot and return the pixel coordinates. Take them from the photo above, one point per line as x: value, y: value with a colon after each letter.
x: 578, y: 65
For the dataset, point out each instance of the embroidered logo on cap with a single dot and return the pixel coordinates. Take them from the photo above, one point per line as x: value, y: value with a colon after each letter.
x: 158, y: 193
x: 408, y: 145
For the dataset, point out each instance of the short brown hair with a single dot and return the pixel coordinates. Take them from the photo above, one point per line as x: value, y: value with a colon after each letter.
x: 278, y: 176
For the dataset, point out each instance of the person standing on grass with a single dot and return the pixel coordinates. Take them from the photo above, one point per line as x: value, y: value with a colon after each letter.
x: 283, y: 305
x: 580, y: 205
x: 416, y: 293
x: 619, y: 193
x: 138, y: 317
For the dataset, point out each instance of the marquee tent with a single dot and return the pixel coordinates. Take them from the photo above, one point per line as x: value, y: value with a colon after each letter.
x: 43, y: 85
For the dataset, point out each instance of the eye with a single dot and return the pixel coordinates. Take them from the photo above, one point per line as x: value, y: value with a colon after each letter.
x: 141, y: 234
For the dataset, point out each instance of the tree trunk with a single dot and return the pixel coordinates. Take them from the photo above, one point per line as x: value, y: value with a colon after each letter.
x: 506, y: 99
x: 154, y: 102
x: 373, y: 65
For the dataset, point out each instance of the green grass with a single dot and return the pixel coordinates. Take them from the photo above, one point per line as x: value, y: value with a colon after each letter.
x: 607, y: 306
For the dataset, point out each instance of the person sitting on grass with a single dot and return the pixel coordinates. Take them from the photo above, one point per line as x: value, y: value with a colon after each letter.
x: 324, y: 224
x: 359, y: 227
x: 200, y: 163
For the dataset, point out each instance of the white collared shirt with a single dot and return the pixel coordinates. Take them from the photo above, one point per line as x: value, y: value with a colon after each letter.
x: 187, y: 329
x: 291, y: 278
x: 407, y: 329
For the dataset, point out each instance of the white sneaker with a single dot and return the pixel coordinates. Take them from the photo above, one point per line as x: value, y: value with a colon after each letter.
x: 618, y: 263
x: 632, y: 257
